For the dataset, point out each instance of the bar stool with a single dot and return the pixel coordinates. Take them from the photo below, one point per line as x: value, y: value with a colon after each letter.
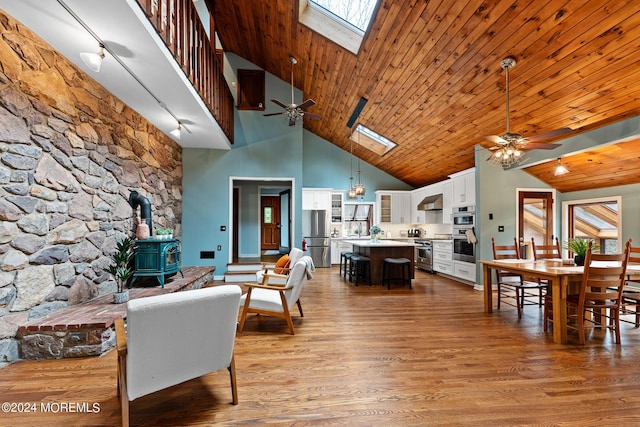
x: 391, y: 264
x: 360, y: 268
x: 345, y: 257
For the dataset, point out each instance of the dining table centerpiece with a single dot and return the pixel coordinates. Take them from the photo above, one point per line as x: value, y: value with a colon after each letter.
x: 579, y: 247
x: 375, y: 232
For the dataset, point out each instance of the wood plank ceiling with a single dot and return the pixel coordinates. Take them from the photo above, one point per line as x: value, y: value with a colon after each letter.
x: 430, y: 70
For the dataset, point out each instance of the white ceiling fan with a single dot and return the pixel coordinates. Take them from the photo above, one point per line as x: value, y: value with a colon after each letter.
x: 293, y: 111
x: 509, y: 148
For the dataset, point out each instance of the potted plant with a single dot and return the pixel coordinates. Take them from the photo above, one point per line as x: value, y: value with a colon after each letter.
x: 161, y: 233
x: 579, y: 247
x: 375, y: 233
x: 121, y: 268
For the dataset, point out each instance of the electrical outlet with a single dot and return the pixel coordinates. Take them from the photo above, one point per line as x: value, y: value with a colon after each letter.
x: 501, y: 228
x: 219, y: 247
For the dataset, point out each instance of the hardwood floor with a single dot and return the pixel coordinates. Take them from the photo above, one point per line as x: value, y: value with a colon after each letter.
x: 367, y: 356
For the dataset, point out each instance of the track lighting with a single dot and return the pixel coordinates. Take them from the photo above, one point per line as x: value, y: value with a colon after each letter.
x: 93, y: 60
x: 176, y: 132
x: 560, y: 169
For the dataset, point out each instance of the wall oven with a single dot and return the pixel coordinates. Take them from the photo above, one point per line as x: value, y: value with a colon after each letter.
x: 464, y: 219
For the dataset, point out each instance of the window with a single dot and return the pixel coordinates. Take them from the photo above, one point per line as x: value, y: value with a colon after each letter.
x: 595, y: 219
x: 371, y: 140
x: 344, y: 22
x: 267, y: 215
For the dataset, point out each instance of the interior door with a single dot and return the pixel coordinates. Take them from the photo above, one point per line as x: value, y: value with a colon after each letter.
x: 285, y: 221
x: 535, y: 217
x: 270, y: 222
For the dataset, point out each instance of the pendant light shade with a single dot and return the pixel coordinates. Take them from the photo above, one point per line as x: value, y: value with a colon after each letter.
x: 176, y: 132
x: 560, y: 169
x: 93, y: 60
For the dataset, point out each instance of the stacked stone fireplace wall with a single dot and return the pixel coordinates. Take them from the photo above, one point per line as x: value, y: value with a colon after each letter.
x: 70, y: 152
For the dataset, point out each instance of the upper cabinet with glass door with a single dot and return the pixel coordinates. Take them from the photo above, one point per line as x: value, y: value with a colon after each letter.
x: 336, y: 207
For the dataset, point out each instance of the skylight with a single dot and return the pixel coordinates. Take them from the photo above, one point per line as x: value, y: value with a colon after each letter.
x: 371, y: 140
x: 344, y: 22
x: 355, y: 12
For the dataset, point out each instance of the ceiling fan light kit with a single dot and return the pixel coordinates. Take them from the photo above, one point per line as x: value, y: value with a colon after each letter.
x: 509, y: 148
x: 294, y: 112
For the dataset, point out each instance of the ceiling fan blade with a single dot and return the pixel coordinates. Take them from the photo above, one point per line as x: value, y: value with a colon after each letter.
x: 496, y: 139
x: 313, y: 116
x: 541, y: 146
x: 273, y: 114
x: 306, y: 104
x: 275, y: 101
x: 548, y: 135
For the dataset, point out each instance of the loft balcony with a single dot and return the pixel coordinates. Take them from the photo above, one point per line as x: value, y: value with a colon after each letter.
x: 158, y: 60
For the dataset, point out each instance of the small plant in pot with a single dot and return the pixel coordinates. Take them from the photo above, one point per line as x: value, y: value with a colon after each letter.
x: 121, y: 268
x: 579, y: 247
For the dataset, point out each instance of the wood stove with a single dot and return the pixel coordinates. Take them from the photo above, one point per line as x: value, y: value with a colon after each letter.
x: 157, y: 257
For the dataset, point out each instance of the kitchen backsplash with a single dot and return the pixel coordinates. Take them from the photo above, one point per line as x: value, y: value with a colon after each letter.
x: 391, y: 231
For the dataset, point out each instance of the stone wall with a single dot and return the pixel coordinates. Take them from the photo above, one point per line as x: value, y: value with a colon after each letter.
x: 70, y: 152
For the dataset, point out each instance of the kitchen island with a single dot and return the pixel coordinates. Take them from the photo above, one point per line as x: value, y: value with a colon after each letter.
x: 378, y: 250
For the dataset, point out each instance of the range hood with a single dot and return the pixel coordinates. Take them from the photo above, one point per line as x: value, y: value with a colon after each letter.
x: 431, y: 203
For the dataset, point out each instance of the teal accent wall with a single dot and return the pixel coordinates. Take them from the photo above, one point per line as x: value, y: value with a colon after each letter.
x: 328, y: 166
x: 276, y: 155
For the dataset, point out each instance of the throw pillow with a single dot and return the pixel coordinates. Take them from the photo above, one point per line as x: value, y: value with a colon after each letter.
x: 282, y: 265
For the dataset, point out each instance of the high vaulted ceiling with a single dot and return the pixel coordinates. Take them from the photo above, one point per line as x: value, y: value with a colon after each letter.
x: 431, y: 72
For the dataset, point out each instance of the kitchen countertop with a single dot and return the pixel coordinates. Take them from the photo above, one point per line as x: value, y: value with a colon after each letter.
x: 379, y: 243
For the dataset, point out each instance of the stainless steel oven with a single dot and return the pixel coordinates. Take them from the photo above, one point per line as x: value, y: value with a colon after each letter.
x: 464, y: 219
x: 424, y: 255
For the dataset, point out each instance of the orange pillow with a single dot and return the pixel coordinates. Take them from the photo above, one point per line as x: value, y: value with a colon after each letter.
x: 282, y: 265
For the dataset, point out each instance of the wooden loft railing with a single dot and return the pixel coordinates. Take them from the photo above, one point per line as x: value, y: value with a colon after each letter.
x: 179, y: 25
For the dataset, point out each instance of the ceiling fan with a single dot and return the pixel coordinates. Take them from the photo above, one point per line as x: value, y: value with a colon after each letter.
x: 293, y: 111
x: 510, y: 147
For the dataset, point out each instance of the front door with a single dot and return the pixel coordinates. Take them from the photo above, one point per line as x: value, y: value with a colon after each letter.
x: 270, y: 222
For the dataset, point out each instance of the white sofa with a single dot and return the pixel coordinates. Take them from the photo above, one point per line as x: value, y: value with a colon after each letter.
x: 176, y: 337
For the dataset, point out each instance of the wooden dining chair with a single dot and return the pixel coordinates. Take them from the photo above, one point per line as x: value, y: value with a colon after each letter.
x: 600, y: 296
x: 631, y: 291
x: 512, y: 286
x: 543, y: 252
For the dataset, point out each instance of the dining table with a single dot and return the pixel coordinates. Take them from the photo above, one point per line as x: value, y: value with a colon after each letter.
x: 557, y: 275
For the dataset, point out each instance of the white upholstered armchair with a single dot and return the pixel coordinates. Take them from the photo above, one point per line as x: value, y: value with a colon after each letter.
x: 176, y: 337
x: 280, y: 273
x: 277, y: 299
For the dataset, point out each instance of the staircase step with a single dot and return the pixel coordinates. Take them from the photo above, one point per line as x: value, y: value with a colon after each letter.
x: 240, y: 276
x: 244, y: 267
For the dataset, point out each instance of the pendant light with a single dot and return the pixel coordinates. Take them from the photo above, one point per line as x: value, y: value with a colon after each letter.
x: 93, y: 60
x: 359, y: 188
x: 351, y: 193
x: 560, y: 169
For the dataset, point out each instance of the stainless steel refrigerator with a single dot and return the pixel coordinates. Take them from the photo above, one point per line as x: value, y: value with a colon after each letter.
x: 315, y: 230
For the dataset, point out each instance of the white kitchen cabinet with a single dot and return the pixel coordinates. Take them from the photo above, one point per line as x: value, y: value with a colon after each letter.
x: 464, y: 270
x: 447, y: 199
x: 464, y: 187
x: 337, y: 247
x: 443, y: 256
x: 316, y: 199
x: 335, y: 251
x: 336, y: 207
x: 394, y: 207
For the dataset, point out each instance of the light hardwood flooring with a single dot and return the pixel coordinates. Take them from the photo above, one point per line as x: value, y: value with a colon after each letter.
x: 368, y: 356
